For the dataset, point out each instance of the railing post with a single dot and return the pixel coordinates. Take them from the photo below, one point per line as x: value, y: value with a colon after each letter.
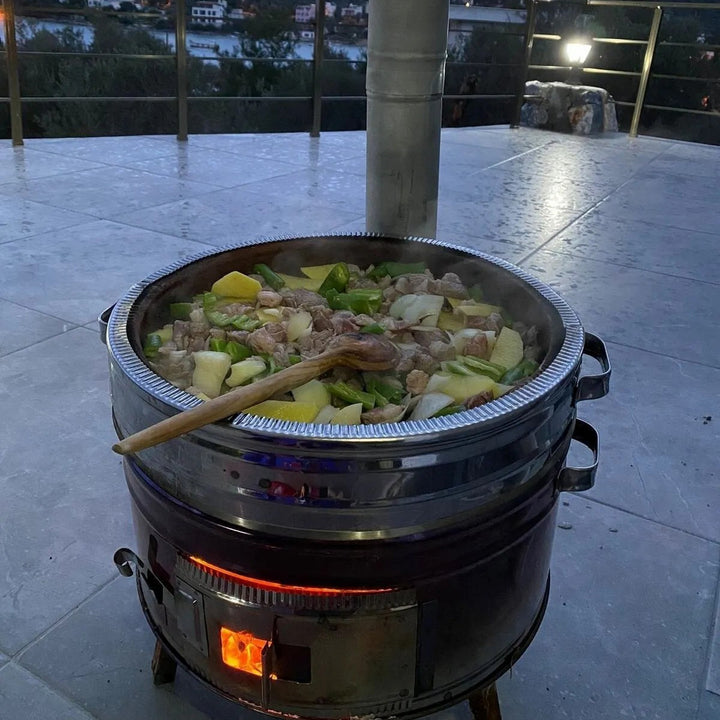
x: 647, y: 64
x: 181, y: 66
x: 529, y: 37
x: 13, y: 73
x: 318, y: 48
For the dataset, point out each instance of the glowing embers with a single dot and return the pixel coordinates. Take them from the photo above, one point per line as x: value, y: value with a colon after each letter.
x: 243, y: 651
x: 279, y: 587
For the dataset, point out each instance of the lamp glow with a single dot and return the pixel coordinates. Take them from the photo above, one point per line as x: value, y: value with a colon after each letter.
x: 577, y: 51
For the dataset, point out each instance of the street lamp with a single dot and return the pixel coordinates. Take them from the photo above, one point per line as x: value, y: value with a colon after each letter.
x: 577, y: 51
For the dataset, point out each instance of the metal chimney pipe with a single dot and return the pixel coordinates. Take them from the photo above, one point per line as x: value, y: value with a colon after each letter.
x: 407, y: 47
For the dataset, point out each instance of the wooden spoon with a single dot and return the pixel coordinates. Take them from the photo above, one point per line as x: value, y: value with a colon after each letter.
x: 360, y: 351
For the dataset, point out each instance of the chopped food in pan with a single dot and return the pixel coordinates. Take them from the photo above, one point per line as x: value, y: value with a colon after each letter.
x: 457, y: 350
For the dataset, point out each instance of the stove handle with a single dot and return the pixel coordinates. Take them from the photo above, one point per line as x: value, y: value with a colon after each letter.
x: 103, y: 319
x: 591, y: 387
x: 577, y: 479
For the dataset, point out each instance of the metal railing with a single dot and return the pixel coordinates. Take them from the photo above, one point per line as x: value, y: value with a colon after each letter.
x: 651, y: 44
x: 527, y: 37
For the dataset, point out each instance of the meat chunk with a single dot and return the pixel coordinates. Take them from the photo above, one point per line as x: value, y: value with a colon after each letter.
x: 417, y: 358
x: 322, y: 317
x: 416, y: 381
x: 416, y: 283
x: 441, y: 350
x: 480, y: 399
x: 494, y: 321
x: 427, y: 337
x: 450, y: 285
x: 176, y: 366
x: 342, y: 322
x: 239, y: 336
x: 478, y: 346
x: 302, y: 298
x: 388, y: 413
x: 266, y: 338
x: 314, y: 343
x: 269, y: 298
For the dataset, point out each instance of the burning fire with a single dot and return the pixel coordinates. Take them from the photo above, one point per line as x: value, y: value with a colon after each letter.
x: 243, y: 651
x: 279, y: 587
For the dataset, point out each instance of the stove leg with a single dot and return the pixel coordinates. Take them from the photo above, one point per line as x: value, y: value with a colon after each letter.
x: 163, y: 665
x: 484, y: 704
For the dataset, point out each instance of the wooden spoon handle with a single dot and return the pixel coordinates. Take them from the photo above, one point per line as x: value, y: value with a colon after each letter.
x: 231, y: 402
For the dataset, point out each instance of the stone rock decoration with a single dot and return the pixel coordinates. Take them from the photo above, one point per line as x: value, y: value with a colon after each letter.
x: 577, y: 109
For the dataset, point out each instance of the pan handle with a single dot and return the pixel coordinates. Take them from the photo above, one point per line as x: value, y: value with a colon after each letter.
x: 591, y: 387
x: 577, y: 479
x: 103, y: 319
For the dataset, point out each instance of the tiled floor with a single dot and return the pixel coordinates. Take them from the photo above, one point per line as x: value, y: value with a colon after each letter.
x: 627, y: 230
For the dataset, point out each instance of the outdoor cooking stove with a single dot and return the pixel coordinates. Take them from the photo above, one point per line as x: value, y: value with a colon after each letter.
x: 329, y: 572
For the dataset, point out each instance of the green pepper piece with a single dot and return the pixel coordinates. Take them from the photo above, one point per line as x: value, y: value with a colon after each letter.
x: 209, y: 300
x: 484, y: 367
x: 336, y: 279
x: 507, y: 318
x: 456, y: 367
x: 522, y: 370
x: 344, y: 392
x: 269, y: 276
x: 243, y: 322
x: 153, y: 342
x: 294, y: 359
x: 360, y: 301
x: 389, y: 392
x: 236, y: 351
x: 218, y: 345
x: 373, y: 328
x: 394, y: 269
x: 450, y: 410
x: 181, y: 310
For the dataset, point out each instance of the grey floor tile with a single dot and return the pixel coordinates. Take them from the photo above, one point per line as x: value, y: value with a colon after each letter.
x: 638, y: 308
x: 65, y: 509
x: 503, y: 216
x: 658, y: 454
x: 212, y: 167
x: 24, y: 697
x: 642, y: 245
x: 709, y: 708
x: 627, y: 625
x: 105, y: 192
x: 321, y: 186
x: 228, y: 216
x: 118, y: 150
x: 3, y: 659
x: 697, y: 164
x: 712, y: 681
x: 464, y: 158
x: 590, y: 161
x: 21, y: 218
x: 22, y: 327
x: 680, y: 201
x: 296, y: 148
x: 100, y: 657
x: 517, y: 141
x: 24, y: 163
x: 76, y: 273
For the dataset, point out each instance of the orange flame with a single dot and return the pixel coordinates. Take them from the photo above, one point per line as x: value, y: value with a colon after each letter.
x: 242, y: 650
x: 279, y: 587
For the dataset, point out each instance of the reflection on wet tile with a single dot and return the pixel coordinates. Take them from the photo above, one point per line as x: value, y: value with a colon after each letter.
x: 104, y: 192
x: 25, y: 164
x: 23, y: 218
x: 235, y: 215
x: 202, y: 165
x: 625, y: 634
x: 74, y: 274
x: 643, y: 245
x: 108, y: 150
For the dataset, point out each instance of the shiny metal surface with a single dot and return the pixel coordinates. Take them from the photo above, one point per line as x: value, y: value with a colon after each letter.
x: 350, y: 482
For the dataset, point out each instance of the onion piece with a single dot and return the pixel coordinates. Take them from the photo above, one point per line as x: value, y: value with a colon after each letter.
x: 299, y: 325
x: 418, y: 309
x: 429, y: 404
